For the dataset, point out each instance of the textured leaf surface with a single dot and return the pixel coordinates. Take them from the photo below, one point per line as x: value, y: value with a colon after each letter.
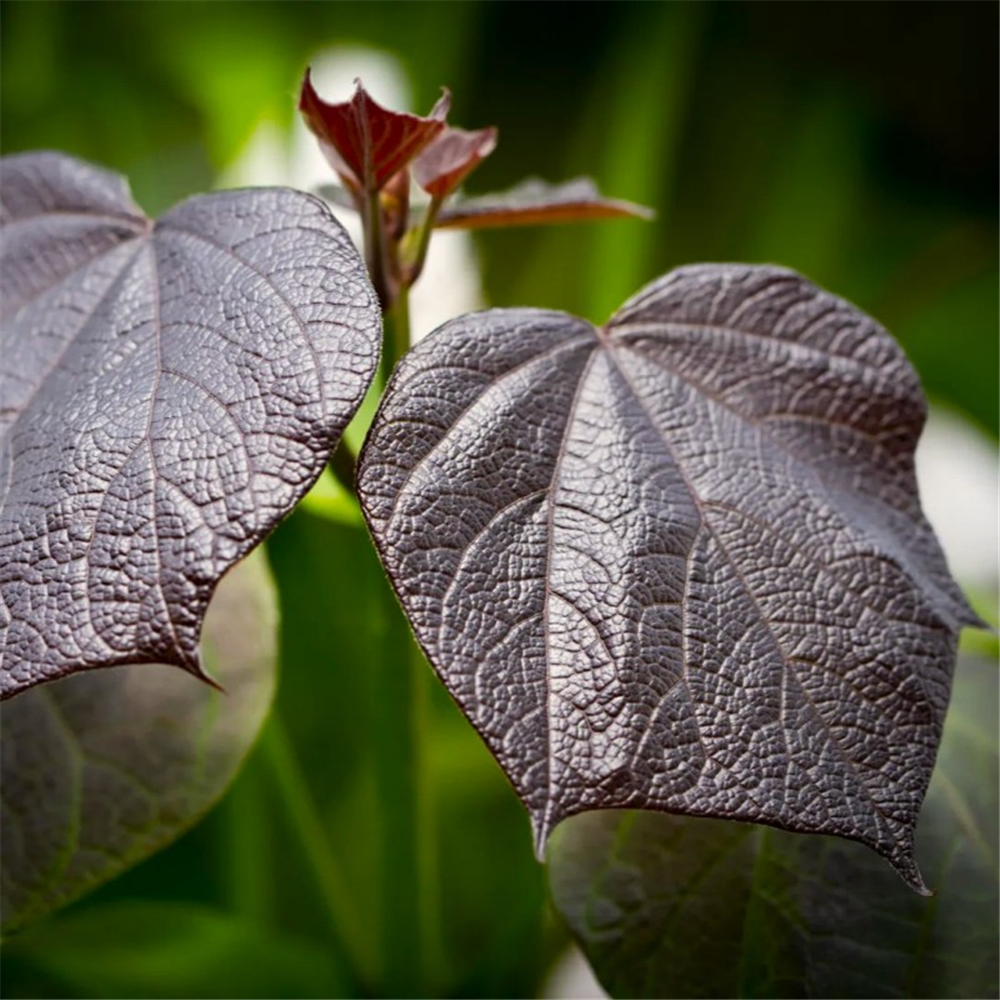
x: 674, y: 906
x: 677, y: 562
x: 170, y: 390
x: 101, y: 769
x: 533, y: 202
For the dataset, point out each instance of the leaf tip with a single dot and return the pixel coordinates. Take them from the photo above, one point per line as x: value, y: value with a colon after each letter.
x: 905, y: 864
x: 442, y: 106
x: 542, y: 825
x: 211, y: 682
x: 194, y: 666
x: 484, y: 141
x: 307, y: 92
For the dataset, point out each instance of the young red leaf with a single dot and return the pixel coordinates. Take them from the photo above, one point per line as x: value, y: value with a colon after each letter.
x: 365, y: 143
x: 447, y: 161
x: 533, y: 202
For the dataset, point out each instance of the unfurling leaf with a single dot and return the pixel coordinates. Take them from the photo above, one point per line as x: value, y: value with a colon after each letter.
x: 672, y: 906
x: 170, y: 390
x: 677, y: 562
x: 365, y: 143
x: 447, y: 161
x: 102, y: 769
x: 533, y: 202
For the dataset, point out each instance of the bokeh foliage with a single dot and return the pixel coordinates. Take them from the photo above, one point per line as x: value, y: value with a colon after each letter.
x: 857, y: 144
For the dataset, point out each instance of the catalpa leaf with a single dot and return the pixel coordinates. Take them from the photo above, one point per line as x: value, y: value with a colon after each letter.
x: 447, y: 161
x: 677, y: 562
x: 533, y: 202
x: 102, y: 769
x: 170, y: 390
x: 673, y: 906
x: 364, y: 142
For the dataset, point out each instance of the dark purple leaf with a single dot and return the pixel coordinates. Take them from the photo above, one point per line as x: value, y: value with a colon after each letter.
x: 533, y: 202
x: 365, y: 143
x: 673, y: 906
x: 447, y: 161
x: 677, y: 562
x: 170, y: 390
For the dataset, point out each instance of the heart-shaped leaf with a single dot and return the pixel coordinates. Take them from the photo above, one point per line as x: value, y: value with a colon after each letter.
x: 104, y: 768
x: 670, y: 906
x: 677, y: 562
x: 170, y: 390
x: 533, y: 202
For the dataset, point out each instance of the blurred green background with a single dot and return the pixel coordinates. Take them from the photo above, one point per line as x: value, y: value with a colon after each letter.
x: 856, y: 143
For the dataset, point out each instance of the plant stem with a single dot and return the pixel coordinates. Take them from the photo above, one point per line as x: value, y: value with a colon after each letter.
x: 406, y: 847
x: 396, y: 334
x: 303, y: 817
x: 374, y: 252
x: 423, y: 241
x: 343, y: 464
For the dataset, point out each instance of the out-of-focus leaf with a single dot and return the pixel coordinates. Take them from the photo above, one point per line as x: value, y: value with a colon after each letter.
x: 677, y: 562
x: 101, y: 769
x: 170, y: 390
x: 450, y: 158
x: 674, y: 906
x: 365, y: 143
x: 333, y: 637
x: 168, y: 950
x: 493, y: 917
x: 534, y: 202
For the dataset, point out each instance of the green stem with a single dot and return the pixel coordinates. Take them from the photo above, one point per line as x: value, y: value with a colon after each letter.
x: 396, y: 335
x: 409, y: 905
x: 422, y: 240
x: 277, y: 752
x: 343, y: 463
x: 374, y: 252
x: 405, y: 848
